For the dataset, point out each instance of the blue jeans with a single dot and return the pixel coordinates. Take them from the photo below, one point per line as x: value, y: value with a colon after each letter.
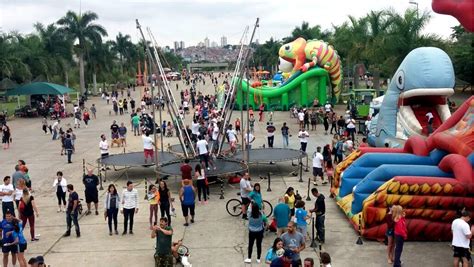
x: 320, y: 226
x: 55, y: 134
x: 112, y: 216
x: 71, y: 217
x: 69, y: 155
x: 286, y: 142
x: 398, y: 250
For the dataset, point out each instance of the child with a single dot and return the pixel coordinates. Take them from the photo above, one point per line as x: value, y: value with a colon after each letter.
x: 329, y: 171
x: 153, y: 199
x: 169, y: 130
x: 301, y: 215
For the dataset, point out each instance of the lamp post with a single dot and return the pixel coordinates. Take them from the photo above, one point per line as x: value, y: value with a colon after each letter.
x: 415, y: 3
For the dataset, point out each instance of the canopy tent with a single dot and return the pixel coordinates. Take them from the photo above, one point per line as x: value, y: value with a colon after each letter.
x: 40, y: 88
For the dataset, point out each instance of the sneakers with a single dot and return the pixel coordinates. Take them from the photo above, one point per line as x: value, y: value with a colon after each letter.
x: 205, y: 202
x: 59, y: 210
x: 192, y: 220
x: 186, y: 224
x: 324, y: 182
x: 130, y: 232
x: 248, y: 260
x: 110, y: 233
x: 124, y: 232
x: 67, y: 234
x: 88, y: 212
x: 96, y: 213
x: 116, y: 232
x: 34, y: 239
x: 258, y: 260
x: 315, y: 184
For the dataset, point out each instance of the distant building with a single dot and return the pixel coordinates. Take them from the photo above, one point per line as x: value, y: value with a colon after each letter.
x: 176, y: 45
x: 181, y: 45
x: 214, y: 44
x: 206, y: 42
x: 201, y: 44
x: 223, y: 41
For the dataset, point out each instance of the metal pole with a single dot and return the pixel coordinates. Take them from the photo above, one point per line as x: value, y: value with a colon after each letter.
x: 146, y: 188
x: 359, y: 239
x: 309, y: 185
x: 222, y: 190
x: 269, y: 182
x: 301, y: 171
x: 100, y: 176
x: 313, y: 243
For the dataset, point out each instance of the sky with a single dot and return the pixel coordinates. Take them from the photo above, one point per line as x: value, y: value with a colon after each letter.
x: 192, y: 21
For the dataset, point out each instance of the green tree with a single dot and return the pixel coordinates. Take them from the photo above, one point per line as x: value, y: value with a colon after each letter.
x: 82, y: 28
x: 462, y: 54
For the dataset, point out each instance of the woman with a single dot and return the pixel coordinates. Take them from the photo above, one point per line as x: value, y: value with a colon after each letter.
x: 20, y: 185
x: 333, y: 120
x: 257, y: 222
x: 112, y: 206
x: 201, y: 182
x: 326, y: 154
x: 165, y: 197
x: 20, y: 241
x: 60, y: 184
x: 44, y: 123
x: 275, y: 251
x: 6, y: 138
x: 290, y: 199
x: 314, y: 120
x: 260, y: 112
x: 400, y: 230
x: 326, y: 123
x: 27, y: 210
x: 256, y: 195
x: 153, y: 199
x: 390, y: 235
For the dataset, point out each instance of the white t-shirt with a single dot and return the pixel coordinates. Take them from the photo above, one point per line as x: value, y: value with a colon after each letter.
x: 202, y: 146
x: 5, y: 189
x: 248, y: 138
x: 351, y: 124
x: 232, y: 135
x: 349, y: 144
x: 195, y: 128
x: 215, y: 132
x: 104, y: 147
x: 303, y: 135
x: 460, y: 230
x: 244, y: 184
x: 301, y: 116
x: 147, y: 142
x: 327, y: 107
x: 317, y: 158
x: 429, y: 115
x: 185, y: 104
x: 18, y: 193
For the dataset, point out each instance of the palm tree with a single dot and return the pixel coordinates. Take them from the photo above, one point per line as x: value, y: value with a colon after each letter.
x: 122, y: 47
x: 81, y: 28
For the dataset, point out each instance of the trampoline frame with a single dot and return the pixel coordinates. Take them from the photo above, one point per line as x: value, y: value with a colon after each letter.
x: 244, y: 166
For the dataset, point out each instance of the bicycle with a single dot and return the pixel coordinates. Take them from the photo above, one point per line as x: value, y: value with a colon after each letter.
x: 234, y: 207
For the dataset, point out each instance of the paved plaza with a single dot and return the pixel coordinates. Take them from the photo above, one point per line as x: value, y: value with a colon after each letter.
x: 215, y: 239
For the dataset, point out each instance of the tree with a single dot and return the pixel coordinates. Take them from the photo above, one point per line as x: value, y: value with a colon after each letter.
x: 82, y: 28
x: 462, y: 53
x: 123, y: 47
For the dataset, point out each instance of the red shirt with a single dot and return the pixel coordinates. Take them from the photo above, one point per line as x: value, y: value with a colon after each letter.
x: 401, y: 228
x: 186, y: 170
x: 363, y: 145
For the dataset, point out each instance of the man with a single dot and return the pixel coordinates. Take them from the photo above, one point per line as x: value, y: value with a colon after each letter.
x: 72, y: 211
x: 303, y: 136
x: 186, y: 170
x: 294, y: 241
x: 270, y: 134
x: 130, y: 206
x: 461, y: 237
x: 194, y: 130
x: 308, y: 262
x: 245, y: 189
x: 341, y: 123
x: 351, y: 127
x: 328, y: 107
x: 114, y: 128
x: 282, y: 215
x: 318, y: 163
x: 103, y: 147
x: 7, y: 193
x: 215, y: 135
x: 122, y: 130
x: 148, y: 145
x: 232, y: 135
x: 69, y: 147
x: 320, y: 210
x: 55, y: 129
x: 249, y: 139
x: 283, y: 261
x: 163, y: 234
x: 17, y: 175
x: 429, y: 117
x: 202, y: 148
x: 187, y: 196
x: 301, y: 118
x: 91, y: 181
x: 136, y: 123
x: 285, y: 134
x: 6, y: 229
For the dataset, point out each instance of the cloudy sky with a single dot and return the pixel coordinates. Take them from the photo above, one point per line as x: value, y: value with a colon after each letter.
x: 192, y: 21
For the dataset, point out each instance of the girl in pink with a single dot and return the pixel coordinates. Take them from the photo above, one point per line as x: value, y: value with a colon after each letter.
x: 401, y: 233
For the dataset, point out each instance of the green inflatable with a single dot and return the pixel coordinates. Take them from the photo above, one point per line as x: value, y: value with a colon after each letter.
x: 300, y: 89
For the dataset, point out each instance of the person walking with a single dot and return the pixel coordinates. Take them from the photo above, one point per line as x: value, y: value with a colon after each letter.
x: 55, y: 129
x: 401, y: 233
x: 91, y: 181
x: 111, y: 207
x: 201, y: 183
x: 270, y: 134
x: 256, y: 226
x: 6, y: 229
x: 187, y: 196
x: 290, y: 199
x: 122, y: 130
x: 202, y: 148
x: 68, y: 147
x: 153, y: 197
x: 94, y: 111
x: 245, y: 189
x: 303, y: 135
x: 27, y: 209
x: 285, y: 134
x: 249, y: 139
x: 44, y: 125
x: 86, y: 117
x: 60, y: 184
x: 318, y: 164
x: 320, y: 210
x: 20, y: 241
x: 294, y: 241
x: 72, y: 212
x: 461, y: 238
x: 7, y: 193
x: 163, y: 234
x: 129, y: 206
x: 282, y: 215
x: 165, y: 201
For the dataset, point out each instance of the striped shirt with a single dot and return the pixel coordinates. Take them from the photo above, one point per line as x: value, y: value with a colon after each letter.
x: 130, y: 199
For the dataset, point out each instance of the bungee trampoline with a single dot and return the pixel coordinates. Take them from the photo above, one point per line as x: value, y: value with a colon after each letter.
x: 222, y: 166
x: 263, y: 155
x: 178, y: 149
x: 136, y: 159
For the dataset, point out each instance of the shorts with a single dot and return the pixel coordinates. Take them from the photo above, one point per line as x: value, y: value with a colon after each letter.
x: 233, y: 144
x: 237, y: 128
x: 22, y: 247
x: 245, y: 200
x: 12, y: 248
x: 460, y: 252
x: 164, y: 260
x: 92, y: 196
x: 317, y: 172
x: 187, y: 209
x: 104, y: 155
x: 148, y: 153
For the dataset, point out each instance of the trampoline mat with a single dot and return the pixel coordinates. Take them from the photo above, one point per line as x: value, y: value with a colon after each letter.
x: 136, y: 159
x: 269, y: 154
x: 177, y: 148
x: 223, y: 167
